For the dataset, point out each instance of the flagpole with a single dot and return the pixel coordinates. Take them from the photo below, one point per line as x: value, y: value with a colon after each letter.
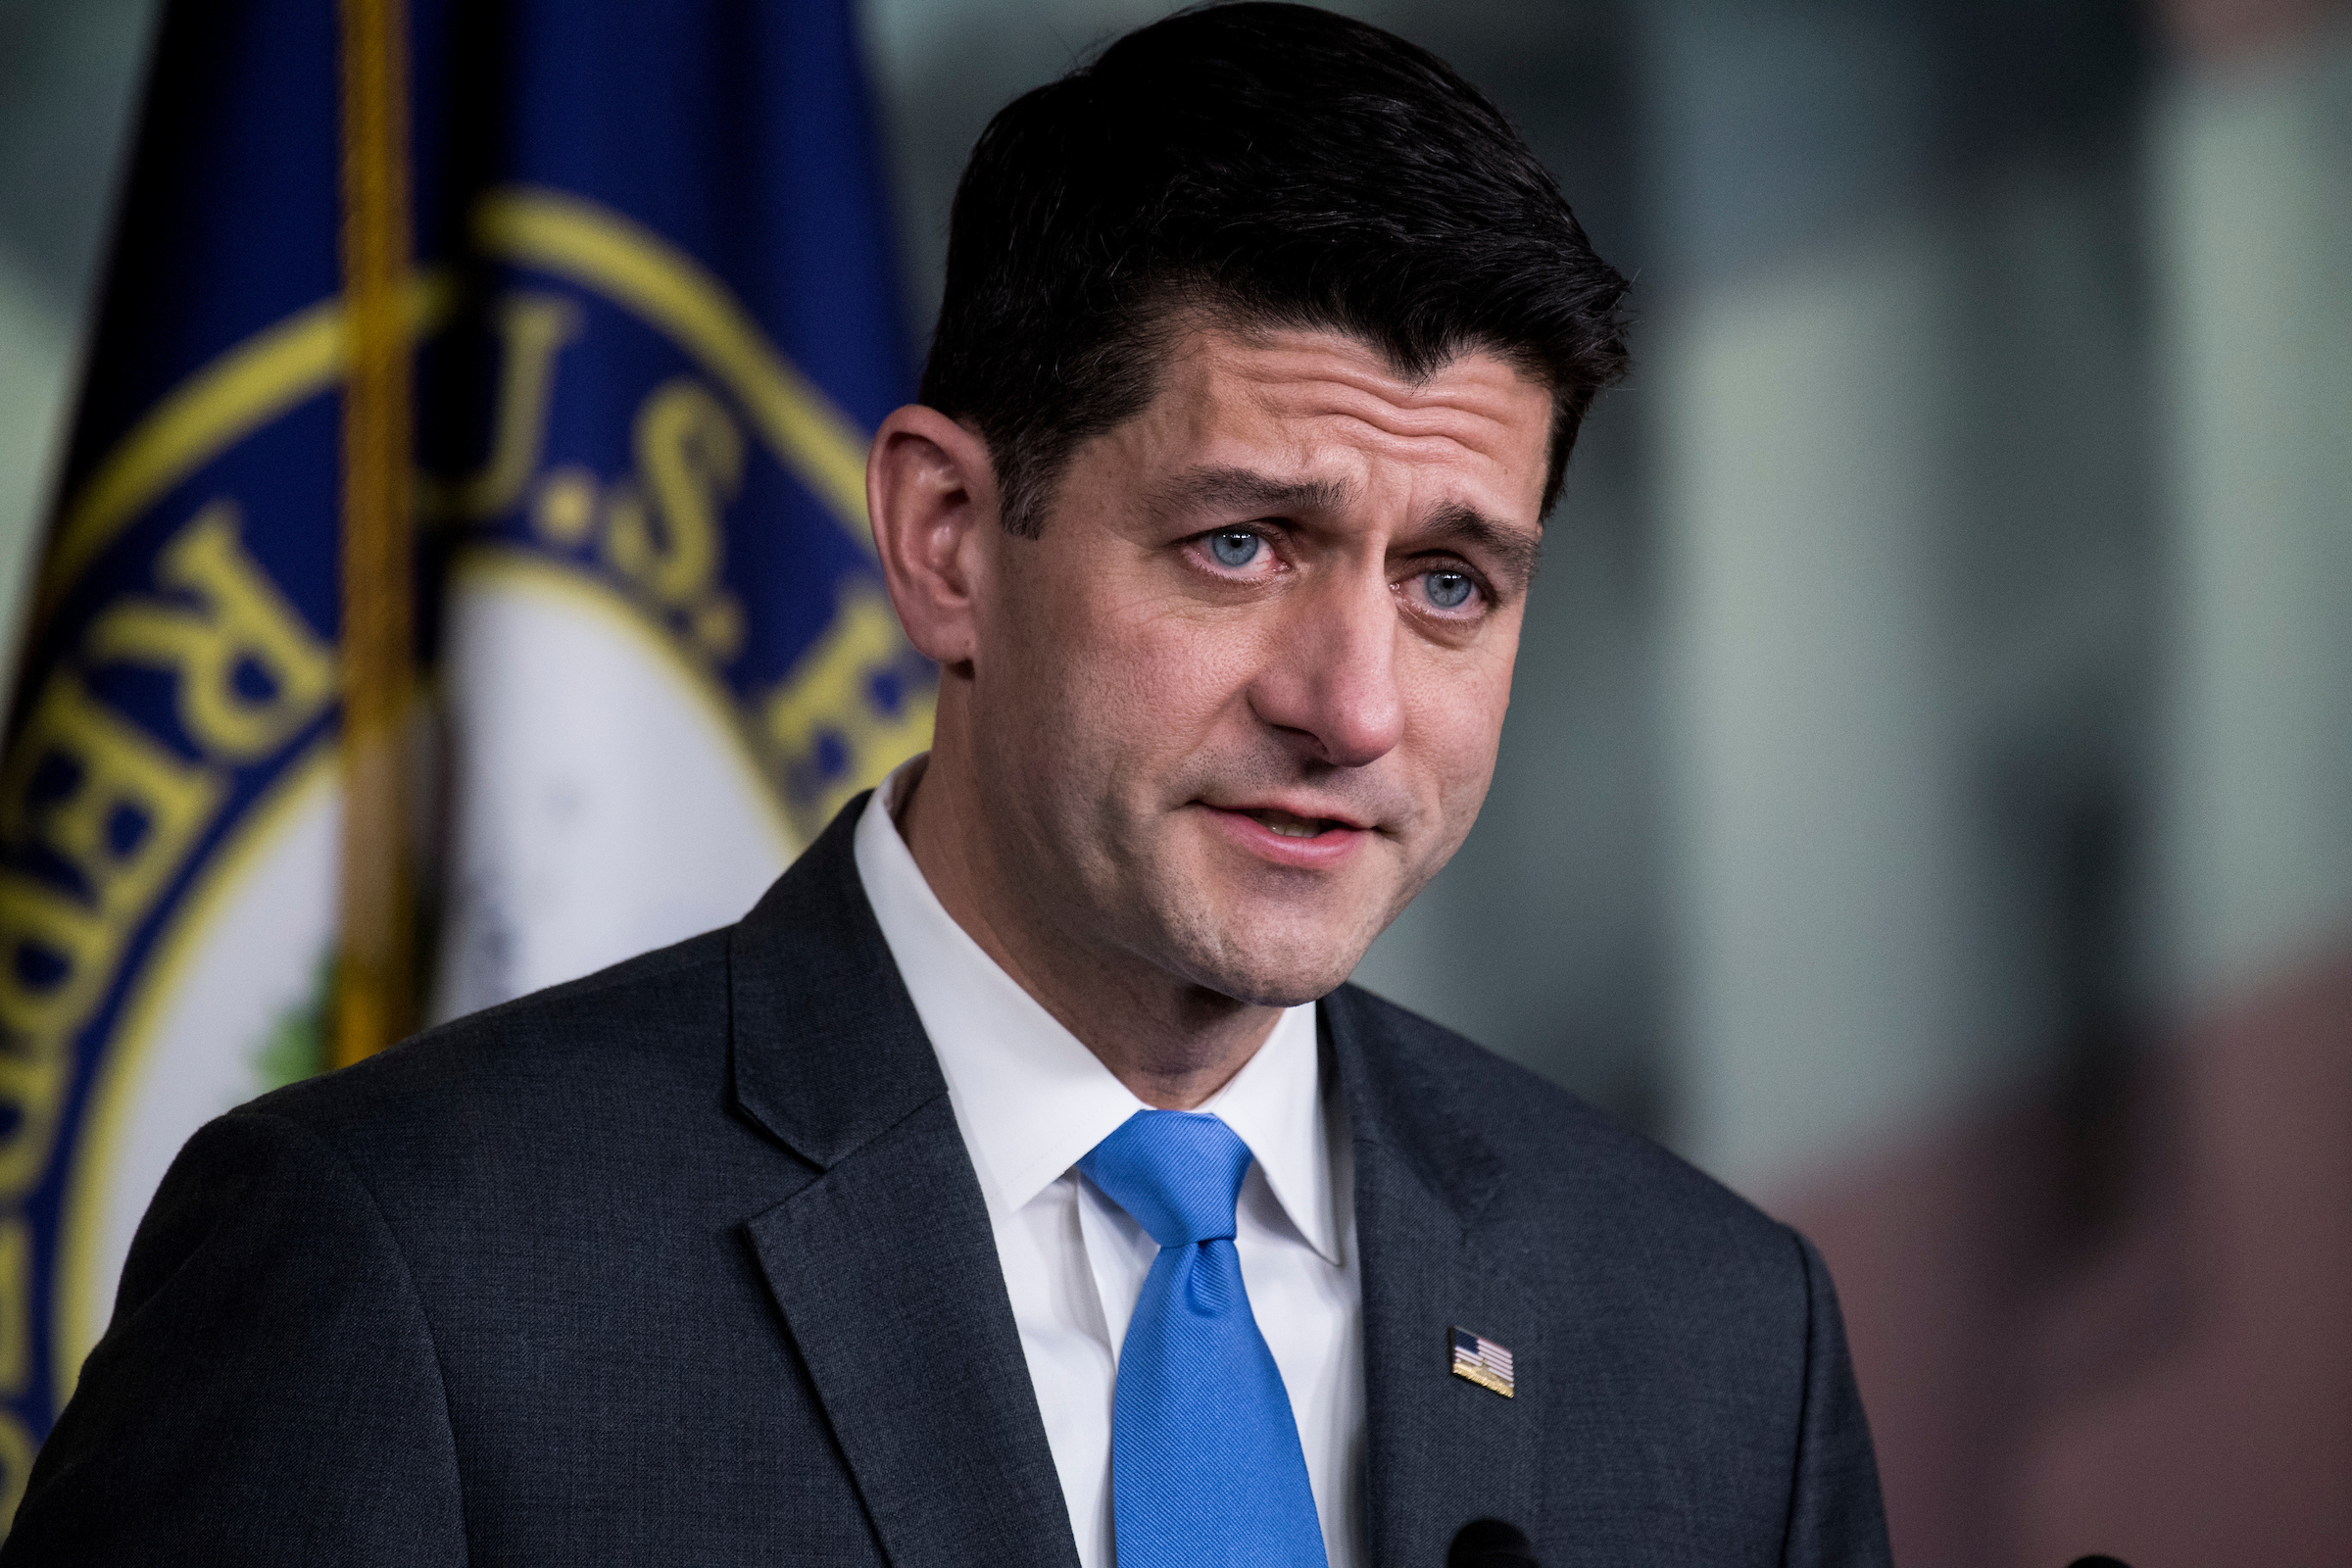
x: 375, y: 997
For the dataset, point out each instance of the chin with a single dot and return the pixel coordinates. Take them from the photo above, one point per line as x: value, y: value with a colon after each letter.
x: 1280, y: 966
x: 1287, y: 989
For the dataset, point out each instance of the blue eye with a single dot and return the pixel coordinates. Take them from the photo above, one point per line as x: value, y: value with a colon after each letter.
x: 1235, y: 547
x: 1448, y: 590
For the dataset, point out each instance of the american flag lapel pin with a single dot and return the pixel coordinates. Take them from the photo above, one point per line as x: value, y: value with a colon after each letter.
x: 1480, y: 1360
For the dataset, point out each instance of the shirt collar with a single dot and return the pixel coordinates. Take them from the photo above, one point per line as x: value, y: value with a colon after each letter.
x: 1029, y: 1098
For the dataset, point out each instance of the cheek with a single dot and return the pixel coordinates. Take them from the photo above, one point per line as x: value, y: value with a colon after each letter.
x: 1454, y: 713
x: 1170, y: 675
x: 1109, y: 680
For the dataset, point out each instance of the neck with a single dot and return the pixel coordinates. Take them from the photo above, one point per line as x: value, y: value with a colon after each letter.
x: 1172, y: 1043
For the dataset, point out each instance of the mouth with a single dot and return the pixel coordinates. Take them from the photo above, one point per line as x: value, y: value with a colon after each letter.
x: 1298, y: 841
x: 1286, y: 824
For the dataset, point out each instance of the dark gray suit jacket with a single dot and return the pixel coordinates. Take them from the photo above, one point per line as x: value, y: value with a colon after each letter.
x: 685, y: 1263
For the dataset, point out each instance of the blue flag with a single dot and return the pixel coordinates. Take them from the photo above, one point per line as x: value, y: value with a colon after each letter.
x: 652, y: 320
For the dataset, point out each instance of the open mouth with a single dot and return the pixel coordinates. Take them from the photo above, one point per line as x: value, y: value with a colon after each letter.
x: 1295, y: 827
x: 1293, y: 840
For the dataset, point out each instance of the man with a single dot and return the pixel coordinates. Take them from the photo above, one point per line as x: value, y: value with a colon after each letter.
x: 1020, y: 1181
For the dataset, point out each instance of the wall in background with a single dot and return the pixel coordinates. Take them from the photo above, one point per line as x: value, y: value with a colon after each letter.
x: 69, y: 80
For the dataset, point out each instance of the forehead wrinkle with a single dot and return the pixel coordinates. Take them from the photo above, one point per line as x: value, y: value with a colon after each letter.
x: 1463, y: 402
x: 1465, y: 423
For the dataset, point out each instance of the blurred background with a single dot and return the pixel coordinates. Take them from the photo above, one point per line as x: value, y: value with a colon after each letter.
x: 1927, y: 804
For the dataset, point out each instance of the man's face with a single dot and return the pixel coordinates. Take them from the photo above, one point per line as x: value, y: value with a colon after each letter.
x: 1239, y: 700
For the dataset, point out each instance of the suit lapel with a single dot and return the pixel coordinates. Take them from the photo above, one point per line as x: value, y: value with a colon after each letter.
x: 1441, y: 1449
x: 884, y: 1266
x: 888, y: 1279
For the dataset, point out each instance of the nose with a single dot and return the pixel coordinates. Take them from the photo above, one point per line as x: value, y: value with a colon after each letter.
x: 1330, y: 676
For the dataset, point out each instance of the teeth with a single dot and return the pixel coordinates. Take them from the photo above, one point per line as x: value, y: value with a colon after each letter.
x: 1289, y: 827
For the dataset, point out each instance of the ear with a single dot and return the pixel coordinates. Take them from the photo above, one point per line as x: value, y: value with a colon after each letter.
x: 931, y: 491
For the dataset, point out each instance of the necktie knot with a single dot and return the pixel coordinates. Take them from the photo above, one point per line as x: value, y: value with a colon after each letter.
x: 1178, y: 1172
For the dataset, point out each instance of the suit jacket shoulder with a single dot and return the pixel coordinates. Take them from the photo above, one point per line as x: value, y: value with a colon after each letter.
x: 608, y: 1066
x: 681, y: 1262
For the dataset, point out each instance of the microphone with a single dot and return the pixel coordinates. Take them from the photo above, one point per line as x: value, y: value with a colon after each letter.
x: 1491, y: 1544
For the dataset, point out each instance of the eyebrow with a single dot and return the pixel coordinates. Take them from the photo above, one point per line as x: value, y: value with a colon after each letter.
x: 1512, y: 551
x: 1241, y: 490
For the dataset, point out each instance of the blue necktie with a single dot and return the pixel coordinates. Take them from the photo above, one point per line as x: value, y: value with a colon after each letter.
x: 1205, y: 1467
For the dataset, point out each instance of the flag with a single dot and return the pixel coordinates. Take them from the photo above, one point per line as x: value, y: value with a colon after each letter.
x: 480, y: 388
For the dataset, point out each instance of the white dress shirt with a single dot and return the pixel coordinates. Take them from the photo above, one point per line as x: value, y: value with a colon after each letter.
x: 1031, y: 1100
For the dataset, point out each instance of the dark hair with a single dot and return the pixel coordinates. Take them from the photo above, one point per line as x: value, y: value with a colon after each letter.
x: 1264, y: 163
